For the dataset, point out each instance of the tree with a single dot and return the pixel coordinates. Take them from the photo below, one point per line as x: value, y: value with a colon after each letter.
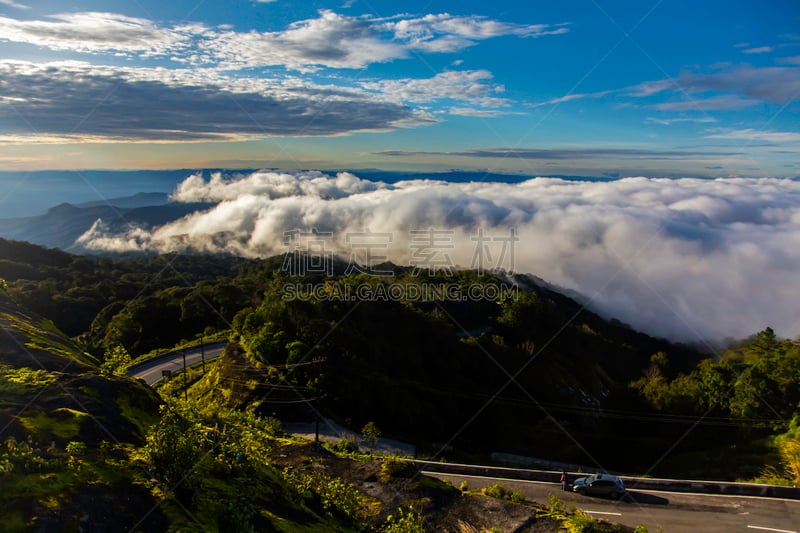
x: 763, y: 342
x: 116, y: 361
x: 175, y: 452
x: 371, y: 434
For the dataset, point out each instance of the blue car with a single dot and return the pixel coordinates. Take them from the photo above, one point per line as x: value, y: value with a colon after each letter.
x: 599, y: 485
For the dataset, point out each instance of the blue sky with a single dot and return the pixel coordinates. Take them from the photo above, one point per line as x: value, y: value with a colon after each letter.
x: 599, y: 88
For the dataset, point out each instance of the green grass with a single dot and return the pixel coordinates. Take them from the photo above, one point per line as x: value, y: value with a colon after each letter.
x: 142, y: 419
x: 43, y: 427
x: 44, y: 336
x: 21, y: 381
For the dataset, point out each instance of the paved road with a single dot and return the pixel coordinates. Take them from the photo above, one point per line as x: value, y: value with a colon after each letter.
x: 675, y: 512
x: 152, y: 372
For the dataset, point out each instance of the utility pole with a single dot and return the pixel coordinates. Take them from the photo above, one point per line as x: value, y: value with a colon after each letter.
x: 316, y: 433
x: 202, y: 353
x: 185, y: 389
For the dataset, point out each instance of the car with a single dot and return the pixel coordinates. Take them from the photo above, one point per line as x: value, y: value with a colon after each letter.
x: 599, y: 485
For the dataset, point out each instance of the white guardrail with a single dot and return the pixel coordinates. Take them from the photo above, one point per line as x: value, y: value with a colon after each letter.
x: 631, y: 483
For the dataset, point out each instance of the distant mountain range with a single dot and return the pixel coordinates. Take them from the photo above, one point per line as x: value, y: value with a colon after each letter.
x: 61, y: 225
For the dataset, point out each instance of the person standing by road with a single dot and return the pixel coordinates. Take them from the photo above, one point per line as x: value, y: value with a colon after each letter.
x: 563, y: 480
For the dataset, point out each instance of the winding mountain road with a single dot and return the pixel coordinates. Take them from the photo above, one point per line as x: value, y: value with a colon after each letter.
x: 675, y: 512
x: 152, y: 371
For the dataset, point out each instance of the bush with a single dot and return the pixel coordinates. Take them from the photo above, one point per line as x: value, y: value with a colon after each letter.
x: 174, y: 452
x: 501, y: 493
x: 579, y: 522
x: 405, y: 522
x: 495, y: 491
x: 347, y: 444
x: 76, y: 449
x: 115, y: 362
x: 335, y: 495
x: 556, y: 510
x: 392, y: 468
x: 516, y: 496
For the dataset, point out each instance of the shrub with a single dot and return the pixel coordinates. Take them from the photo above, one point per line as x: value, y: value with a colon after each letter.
x: 391, y: 468
x: 76, y: 449
x: 335, y: 495
x: 495, y: 491
x: 174, y: 452
x: 501, y: 493
x: 115, y: 362
x: 556, y: 510
x: 579, y: 522
x: 347, y: 444
x: 405, y: 522
x: 516, y: 496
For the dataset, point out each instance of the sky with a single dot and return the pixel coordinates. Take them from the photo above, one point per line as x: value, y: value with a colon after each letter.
x: 592, y: 88
x: 690, y: 109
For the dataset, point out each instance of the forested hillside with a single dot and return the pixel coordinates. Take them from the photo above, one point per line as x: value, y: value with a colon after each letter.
x: 84, y: 450
x: 532, y: 373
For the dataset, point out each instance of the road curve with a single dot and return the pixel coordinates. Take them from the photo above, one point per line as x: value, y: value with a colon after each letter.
x: 153, y: 371
x: 675, y: 512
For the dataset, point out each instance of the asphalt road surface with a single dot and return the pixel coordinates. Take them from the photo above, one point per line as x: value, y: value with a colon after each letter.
x: 675, y: 512
x: 153, y: 371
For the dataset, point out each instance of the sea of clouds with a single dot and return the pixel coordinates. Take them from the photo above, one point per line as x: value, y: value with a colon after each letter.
x: 688, y: 259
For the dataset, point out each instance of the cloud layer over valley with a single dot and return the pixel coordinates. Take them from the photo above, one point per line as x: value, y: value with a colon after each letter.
x: 689, y: 259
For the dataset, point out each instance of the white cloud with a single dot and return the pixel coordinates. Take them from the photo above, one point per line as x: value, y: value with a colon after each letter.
x: 472, y: 86
x: 447, y: 33
x: 59, y: 101
x: 758, y: 50
x: 651, y: 87
x: 679, y: 258
x: 15, y: 5
x: 678, y: 120
x: 272, y: 185
x: 713, y: 103
x: 95, y: 32
x: 332, y: 40
x: 571, y: 97
x: 472, y: 112
x: 750, y: 134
